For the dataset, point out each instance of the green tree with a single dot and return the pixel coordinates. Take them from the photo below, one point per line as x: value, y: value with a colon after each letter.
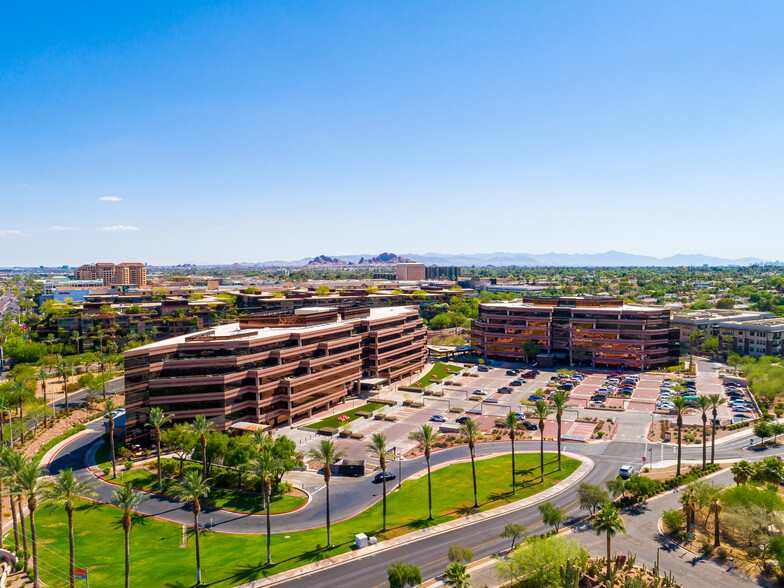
x: 704, y: 405
x: 559, y: 401
x: 128, y: 500
x: 456, y: 576
x: 425, y: 435
x: 609, y: 521
x: 530, y: 349
x: 201, y: 428
x: 322, y: 291
x: 470, y: 431
x: 769, y: 470
x: 109, y: 408
x: 762, y: 430
x: 551, y: 515
x: 265, y: 467
x: 511, y: 422
x: 591, y: 496
x: 378, y: 447
x: 680, y: 408
x: 30, y: 485
x: 63, y: 369
x: 327, y: 453
x: 541, y: 411
x: 776, y: 429
x: 18, y: 389
x: 181, y: 440
x: 513, y: 531
x: 538, y: 563
x: 41, y: 376
x: 742, y: 471
x: 63, y: 492
x: 459, y: 554
x: 715, y: 402
x: 157, y: 421
x: 240, y: 451
x: 401, y: 574
x: 192, y: 488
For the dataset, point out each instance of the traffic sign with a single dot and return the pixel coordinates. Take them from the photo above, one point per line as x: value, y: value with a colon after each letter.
x: 643, y: 459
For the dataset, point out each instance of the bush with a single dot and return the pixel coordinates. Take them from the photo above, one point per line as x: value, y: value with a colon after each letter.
x: 107, y: 471
x: 722, y: 552
x: 674, y: 521
x: 19, y: 564
x: 128, y: 465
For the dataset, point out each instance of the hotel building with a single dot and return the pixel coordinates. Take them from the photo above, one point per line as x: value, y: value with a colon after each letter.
x: 134, y: 274
x: 601, y: 332
x: 271, y: 368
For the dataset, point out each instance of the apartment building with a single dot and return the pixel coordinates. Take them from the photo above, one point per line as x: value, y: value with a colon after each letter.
x: 109, y: 274
x: 271, y: 368
x: 707, y: 322
x: 601, y: 332
x: 752, y: 337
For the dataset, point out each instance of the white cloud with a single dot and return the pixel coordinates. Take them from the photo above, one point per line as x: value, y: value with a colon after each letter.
x: 110, y: 198
x: 59, y: 228
x: 11, y: 232
x: 117, y: 228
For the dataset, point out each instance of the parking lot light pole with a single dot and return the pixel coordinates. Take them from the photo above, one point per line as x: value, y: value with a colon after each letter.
x: 399, y: 468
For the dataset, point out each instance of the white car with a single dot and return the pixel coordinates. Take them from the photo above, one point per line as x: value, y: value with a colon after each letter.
x: 480, y: 392
x: 626, y: 471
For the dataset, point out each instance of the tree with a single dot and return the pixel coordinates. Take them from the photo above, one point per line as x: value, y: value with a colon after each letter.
x: 103, y: 360
x: 157, y: 421
x: 401, y: 574
x: 459, y: 554
x: 530, y: 349
x: 742, y: 471
x: 541, y: 410
x: 378, y: 447
x: 704, y: 404
x: 551, y: 515
x: 725, y: 303
x: 18, y: 389
x: 240, y: 451
x: 285, y: 452
x: 559, y: 400
x: 762, y: 430
x: 456, y: 576
x: 7, y: 474
x: 30, y: 485
x: 608, y: 521
x: 181, y: 440
x: 265, y: 468
x: 470, y: 431
x: 776, y: 429
x: 539, y: 561
x: 770, y: 470
x: 715, y: 402
x: 13, y: 463
x: 109, y: 408
x: 511, y: 422
x: 41, y: 377
x: 128, y: 500
x: 425, y: 435
x: 322, y: 291
x: 76, y: 337
x: 201, y: 427
x: 689, y: 499
x: 63, y: 492
x: 63, y: 369
x: 513, y: 531
x: 591, y: 496
x: 680, y: 407
x: 326, y: 452
x: 192, y: 488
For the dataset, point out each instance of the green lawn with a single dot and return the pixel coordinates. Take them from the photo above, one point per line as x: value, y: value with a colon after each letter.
x: 438, y: 372
x: 332, y: 421
x: 228, y: 559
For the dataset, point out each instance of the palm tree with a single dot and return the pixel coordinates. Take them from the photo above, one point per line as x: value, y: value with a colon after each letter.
x: 99, y: 335
x: 13, y: 464
x: 5, y: 408
x: 470, y: 431
x: 103, y: 359
x: 715, y: 509
x: 63, y: 492
x: 109, y: 407
x: 326, y: 452
x: 192, y: 488
x: 7, y: 475
x: 158, y: 420
x: 266, y: 468
x: 608, y: 521
x: 201, y: 427
x: 76, y: 337
x: 41, y: 376
x: 425, y: 435
x: 541, y: 410
x: 63, y: 369
x: 742, y: 471
x: 688, y: 500
x: 715, y: 401
x: 378, y: 447
x: 559, y: 403
x: 18, y: 388
x: 704, y: 404
x: 680, y: 407
x: 127, y: 499
x: 30, y: 486
x: 511, y: 423
x: 456, y: 576
x: 50, y: 341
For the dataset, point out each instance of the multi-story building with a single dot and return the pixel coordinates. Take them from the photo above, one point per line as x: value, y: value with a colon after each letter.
x: 271, y: 368
x: 707, y: 322
x: 410, y: 272
x: 126, y: 273
x: 602, y: 332
x: 752, y: 337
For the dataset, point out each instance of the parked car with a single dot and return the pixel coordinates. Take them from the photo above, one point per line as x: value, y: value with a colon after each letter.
x: 483, y: 368
x: 379, y: 477
x: 504, y: 389
x: 531, y: 426
x: 626, y: 471
x: 515, y: 383
x: 520, y: 415
x: 566, y: 387
x: 437, y: 418
x: 528, y: 375
x: 535, y: 397
x: 462, y: 419
x: 480, y: 393
x: 511, y: 372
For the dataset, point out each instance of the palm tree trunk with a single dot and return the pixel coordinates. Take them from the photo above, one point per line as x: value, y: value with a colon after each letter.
x: 704, y: 440
x: 680, y: 424
x: 43, y: 391
x: 111, y: 444
x: 558, y: 418
x: 514, y: 471
x: 2, y: 546
x: 24, y: 530
x: 35, y: 544
x: 204, y: 456
x: 127, y: 557
x: 65, y: 391
x: 473, y: 475
x: 713, y: 437
x: 269, y: 530
x: 329, y: 537
x: 429, y: 494
x: 541, y: 451
x: 608, y: 557
x: 158, y: 445
x: 16, y: 524
x: 21, y: 421
x: 716, y: 539
x: 384, y: 501
x: 198, y: 555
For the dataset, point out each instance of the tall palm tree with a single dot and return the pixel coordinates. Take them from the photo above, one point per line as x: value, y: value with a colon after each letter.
x: 109, y: 407
x: 5, y: 408
x: 326, y: 452
x: 41, y: 377
x: 63, y: 369
x: 680, y: 407
x: 201, y: 427
x: 511, y: 423
x: 559, y: 404
x: 715, y: 509
x: 715, y: 401
x: 266, y: 468
x: 76, y: 337
x: 127, y: 499
x: 13, y: 464
x: 103, y: 359
x: 192, y: 488
x: 7, y: 476
x: 541, y: 411
x: 18, y: 388
x: 30, y: 485
x: 704, y: 404
x: 63, y: 492
x: 742, y: 471
x: 50, y: 341
x: 378, y: 447
x: 99, y: 335
x: 157, y: 421
x: 608, y: 521
x: 425, y: 435
x: 470, y: 431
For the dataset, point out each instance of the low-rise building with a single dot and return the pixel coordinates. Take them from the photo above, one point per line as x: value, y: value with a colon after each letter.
x: 706, y: 322
x: 752, y: 337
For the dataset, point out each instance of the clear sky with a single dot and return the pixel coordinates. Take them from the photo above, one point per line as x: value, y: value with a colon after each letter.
x: 173, y: 132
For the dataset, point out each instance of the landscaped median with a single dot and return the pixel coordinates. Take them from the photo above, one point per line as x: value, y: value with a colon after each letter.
x: 231, y: 559
x: 337, y: 420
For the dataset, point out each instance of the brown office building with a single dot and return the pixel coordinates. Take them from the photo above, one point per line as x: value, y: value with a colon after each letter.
x: 271, y: 368
x: 134, y: 274
x: 600, y: 332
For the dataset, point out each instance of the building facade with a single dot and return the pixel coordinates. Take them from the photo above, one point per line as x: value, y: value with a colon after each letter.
x: 134, y: 274
x: 600, y: 332
x: 410, y: 272
x: 752, y: 337
x: 708, y: 322
x: 271, y: 369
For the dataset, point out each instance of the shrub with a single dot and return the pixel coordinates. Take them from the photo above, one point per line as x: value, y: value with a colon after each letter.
x: 673, y: 521
x: 128, y: 465
x: 722, y: 552
x: 19, y: 563
x: 107, y: 471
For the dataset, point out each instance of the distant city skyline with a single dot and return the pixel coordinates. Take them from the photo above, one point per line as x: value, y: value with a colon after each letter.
x: 222, y: 132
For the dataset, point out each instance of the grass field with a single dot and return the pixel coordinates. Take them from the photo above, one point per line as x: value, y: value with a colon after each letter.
x: 228, y: 559
x: 332, y: 421
x: 438, y: 372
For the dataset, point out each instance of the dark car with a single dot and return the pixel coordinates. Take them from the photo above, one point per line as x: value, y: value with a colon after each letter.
x: 535, y: 397
x: 511, y: 372
x: 530, y: 426
x: 483, y: 368
x: 379, y: 477
x: 515, y: 383
x: 566, y: 387
x: 504, y: 389
x: 462, y: 419
x: 529, y: 375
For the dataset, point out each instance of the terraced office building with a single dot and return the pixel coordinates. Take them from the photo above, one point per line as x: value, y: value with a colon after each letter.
x: 600, y: 332
x: 271, y: 368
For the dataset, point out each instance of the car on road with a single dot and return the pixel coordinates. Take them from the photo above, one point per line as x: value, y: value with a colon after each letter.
x: 535, y: 397
x: 437, y: 418
x: 483, y: 368
x: 379, y: 477
x: 462, y: 419
x: 626, y: 471
x: 531, y: 426
x: 480, y: 392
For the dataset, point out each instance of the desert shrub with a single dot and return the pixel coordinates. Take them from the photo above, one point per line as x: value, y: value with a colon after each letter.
x: 673, y: 521
x: 537, y: 563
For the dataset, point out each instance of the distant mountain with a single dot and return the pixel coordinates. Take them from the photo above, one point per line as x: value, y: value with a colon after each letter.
x: 325, y: 260
x: 384, y: 259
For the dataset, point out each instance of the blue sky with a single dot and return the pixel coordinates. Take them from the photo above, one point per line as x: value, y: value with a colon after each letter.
x: 249, y: 131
